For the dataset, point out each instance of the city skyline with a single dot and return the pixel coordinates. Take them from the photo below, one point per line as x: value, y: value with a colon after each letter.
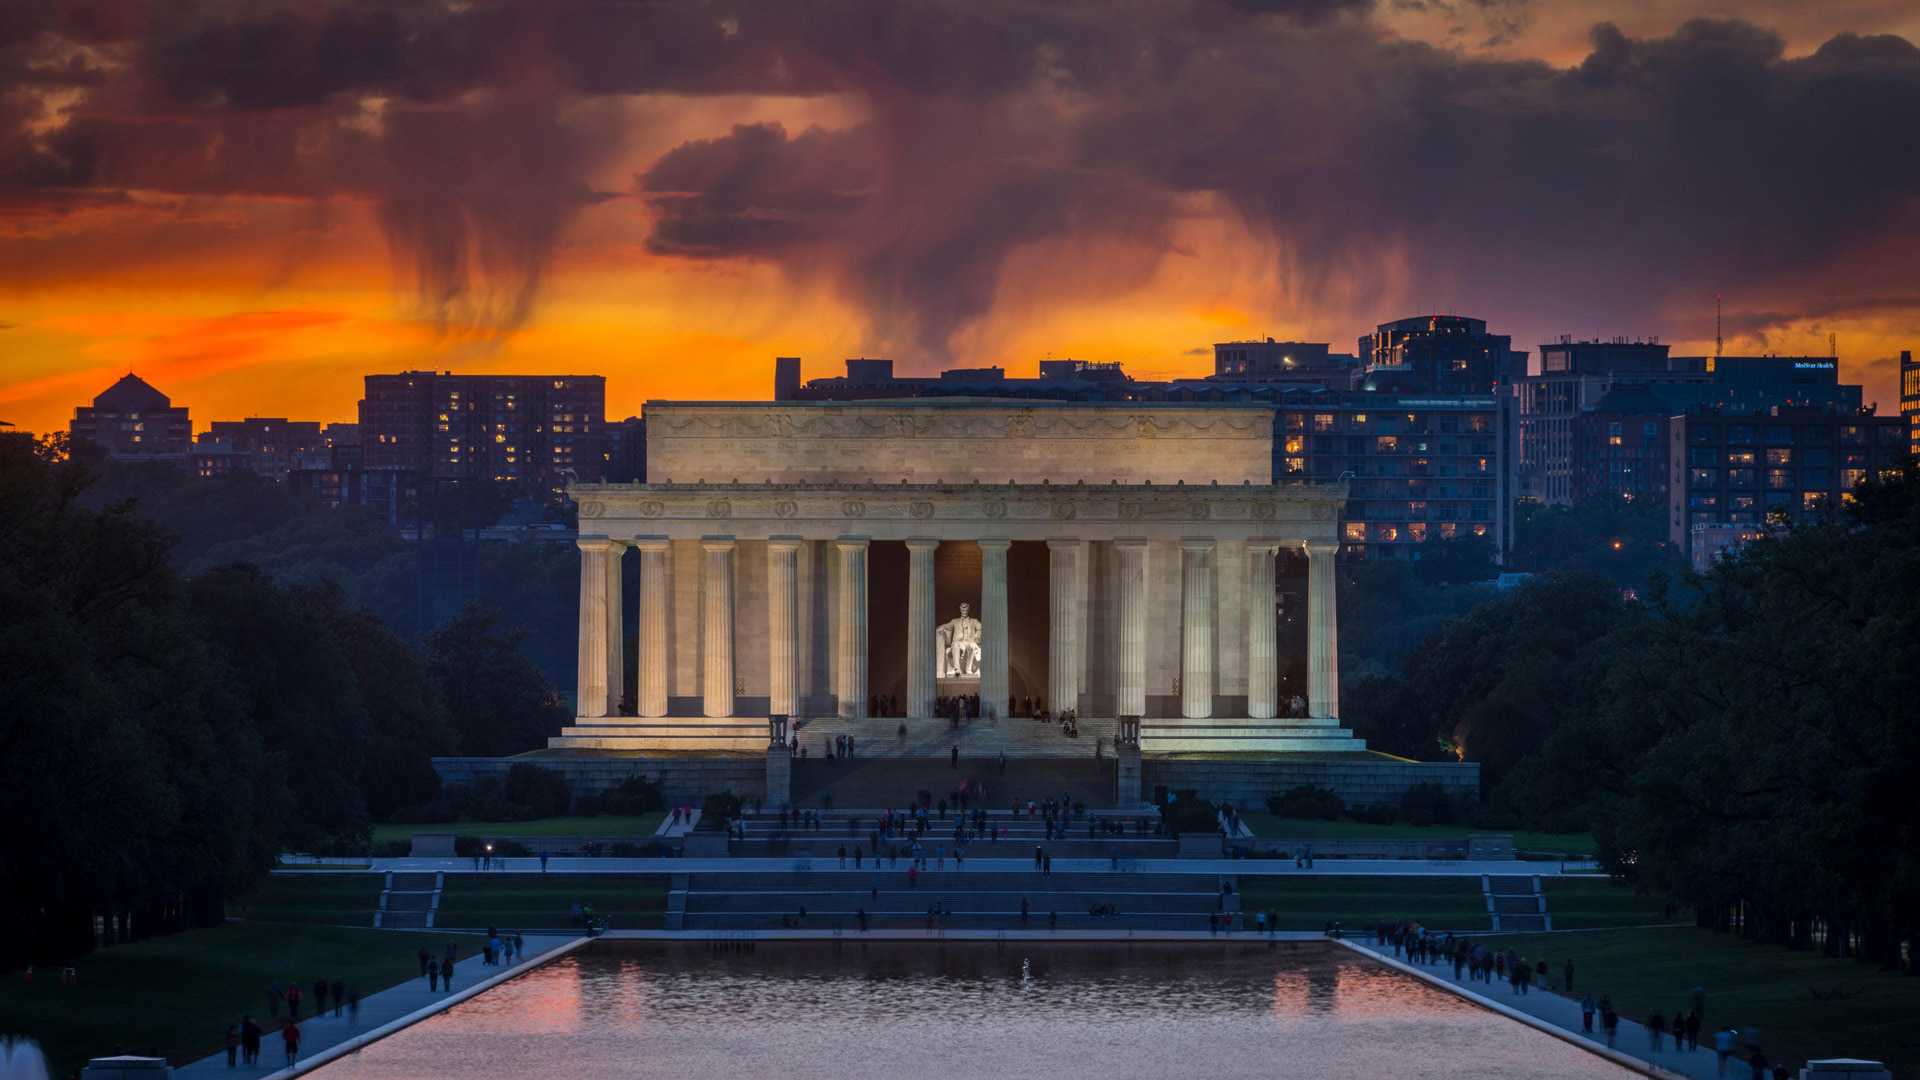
x: 677, y: 197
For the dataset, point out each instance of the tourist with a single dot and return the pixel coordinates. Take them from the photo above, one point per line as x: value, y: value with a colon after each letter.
x: 843, y: 856
x: 1039, y: 854
x: 1586, y: 1013
x: 1757, y: 1061
x: 1679, y: 1030
x: 1609, y: 1020
x: 1693, y: 1031
x: 353, y: 1005
x: 519, y: 944
x: 233, y: 1045
x: 250, y: 1034
x: 339, y: 994
x: 543, y: 862
x: 1569, y: 974
x: 433, y: 976
x: 290, y: 1034
x: 1656, y: 1026
x: 319, y: 997
x: 1053, y: 920
x: 1723, y: 1049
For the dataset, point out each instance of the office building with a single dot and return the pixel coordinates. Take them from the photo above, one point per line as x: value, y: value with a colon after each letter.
x: 1910, y: 399
x: 1437, y: 354
x: 535, y: 431
x: 132, y: 421
x: 268, y: 446
x: 1728, y: 468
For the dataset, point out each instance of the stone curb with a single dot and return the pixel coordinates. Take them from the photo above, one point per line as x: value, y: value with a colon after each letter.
x: 1238, y: 937
x: 341, y: 1049
x: 1644, y: 1068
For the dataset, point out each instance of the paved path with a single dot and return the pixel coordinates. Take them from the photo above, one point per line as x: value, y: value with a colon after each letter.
x: 1564, y: 1013
x: 980, y: 863
x: 385, y: 1007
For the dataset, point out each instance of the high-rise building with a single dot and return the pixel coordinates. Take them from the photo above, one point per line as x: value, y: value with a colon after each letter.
x: 1910, y: 399
x: 1437, y: 354
x: 132, y: 421
x: 1620, y: 447
x: 1568, y: 378
x: 536, y: 431
x: 1297, y: 363
x: 1750, y: 469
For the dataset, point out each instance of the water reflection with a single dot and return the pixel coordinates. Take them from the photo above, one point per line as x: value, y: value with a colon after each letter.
x: 1064, y: 1011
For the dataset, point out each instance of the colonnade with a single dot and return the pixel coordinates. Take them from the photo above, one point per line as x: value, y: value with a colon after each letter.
x: 601, y: 645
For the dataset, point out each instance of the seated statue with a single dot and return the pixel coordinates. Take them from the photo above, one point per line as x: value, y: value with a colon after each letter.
x: 958, y: 641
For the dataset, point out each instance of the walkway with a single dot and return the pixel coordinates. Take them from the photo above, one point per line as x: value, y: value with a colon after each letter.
x: 983, y: 864
x: 1564, y: 1013
x: 376, y: 1010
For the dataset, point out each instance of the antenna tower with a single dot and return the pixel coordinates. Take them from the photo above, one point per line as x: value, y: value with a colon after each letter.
x: 1719, y: 342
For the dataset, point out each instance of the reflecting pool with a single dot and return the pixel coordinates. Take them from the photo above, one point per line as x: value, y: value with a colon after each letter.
x: 991, y: 1011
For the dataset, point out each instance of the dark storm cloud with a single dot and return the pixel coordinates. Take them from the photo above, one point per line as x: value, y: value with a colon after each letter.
x: 1706, y: 157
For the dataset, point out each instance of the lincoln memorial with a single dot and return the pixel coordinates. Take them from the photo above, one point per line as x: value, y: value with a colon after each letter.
x: 811, y: 561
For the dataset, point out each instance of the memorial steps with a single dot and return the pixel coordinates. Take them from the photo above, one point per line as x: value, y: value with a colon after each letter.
x: 970, y: 901
x: 891, y: 781
x: 1016, y: 737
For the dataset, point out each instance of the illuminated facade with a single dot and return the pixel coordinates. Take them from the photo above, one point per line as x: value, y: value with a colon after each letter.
x: 538, y: 431
x: 1910, y: 399
x: 132, y: 421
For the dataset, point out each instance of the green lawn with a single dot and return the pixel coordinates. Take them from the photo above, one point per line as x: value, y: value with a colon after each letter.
x: 639, y: 826
x: 1270, y: 825
x: 1310, y: 902
x: 531, y: 901
x: 341, y: 899
x: 1585, y: 903
x: 175, y: 995
x: 1858, y: 1011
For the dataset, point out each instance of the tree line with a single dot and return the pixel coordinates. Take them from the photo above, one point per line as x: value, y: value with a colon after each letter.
x: 169, y: 733
x: 1743, y: 741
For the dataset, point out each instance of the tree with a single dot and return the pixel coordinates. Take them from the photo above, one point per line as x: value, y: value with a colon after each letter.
x: 1620, y: 539
x: 496, y: 699
x: 1462, y: 560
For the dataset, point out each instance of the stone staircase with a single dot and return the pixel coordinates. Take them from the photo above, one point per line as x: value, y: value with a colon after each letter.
x: 409, y: 901
x: 968, y: 901
x: 1516, y: 902
x: 1290, y: 735
x: 853, y: 830
x: 1016, y: 737
x: 878, y: 782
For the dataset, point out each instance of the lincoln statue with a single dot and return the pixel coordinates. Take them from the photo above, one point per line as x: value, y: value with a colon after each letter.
x: 959, y: 642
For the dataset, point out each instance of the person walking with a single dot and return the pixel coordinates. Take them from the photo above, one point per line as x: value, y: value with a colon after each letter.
x: 250, y: 1034
x: 233, y: 1045
x: 319, y: 997
x: 1693, y: 1031
x: 1586, y: 1013
x: 1656, y: 1026
x: 433, y: 976
x: 290, y: 1035
x: 1722, y: 1050
x: 353, y: 1005
x: 1609, y: 1020
x: 1569, y: 974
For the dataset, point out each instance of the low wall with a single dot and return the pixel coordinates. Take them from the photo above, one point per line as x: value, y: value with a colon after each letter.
x: 1360, y: 782
x: 685, y: 781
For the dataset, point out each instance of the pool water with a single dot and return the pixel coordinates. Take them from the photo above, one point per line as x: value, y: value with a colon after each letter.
x: 979, y: 1010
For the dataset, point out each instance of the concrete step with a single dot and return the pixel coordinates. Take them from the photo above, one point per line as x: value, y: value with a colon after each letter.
x: 958, y: 920
x: 917, y: 900
x: 1511, y: 885
x: 414, y: 901
x: 825, y: 880
x: 979, y: 849
x: 1517, y: 905
x: 406, y: 882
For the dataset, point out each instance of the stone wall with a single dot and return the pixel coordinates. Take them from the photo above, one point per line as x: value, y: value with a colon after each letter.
x: 1360, y: 782
x: 685, y: 780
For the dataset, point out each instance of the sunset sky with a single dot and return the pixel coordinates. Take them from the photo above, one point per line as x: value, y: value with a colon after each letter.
x: 252, y: 205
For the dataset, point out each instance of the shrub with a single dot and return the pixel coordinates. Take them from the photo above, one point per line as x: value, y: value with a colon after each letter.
x: 1427, y: 804
x: 1308, y: 802
x: 1375, y: 813
x: 634, y: 795
x: 542, y: 791
x: 717, y: 809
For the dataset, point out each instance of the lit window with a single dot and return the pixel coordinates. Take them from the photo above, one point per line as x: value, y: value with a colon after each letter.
x: 1356, y: 531
x: 1417, y: 532
x: 1448, y: 529
x: 1296, y: 444
x: 1779, y: 457
x: 1813, y: 500
x: 1386, y: 444
x: 1294, y: 466
x: 1479, y: 530
x: 1323, y: 421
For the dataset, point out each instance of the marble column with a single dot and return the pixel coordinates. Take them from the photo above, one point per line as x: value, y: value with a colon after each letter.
x: 1131, y: 694
x: 783, y: 625
x: 590, y: 698
x: 716, y: 629
x: 1196, y: 629
x: 922, y: 661
x: 616, y: 628
x: 993, y: 627
x: 850, y: 645
x: 650, y: 671
x: 1323, y: 631
x: 1064, y: 580
x: 1263, y: 654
